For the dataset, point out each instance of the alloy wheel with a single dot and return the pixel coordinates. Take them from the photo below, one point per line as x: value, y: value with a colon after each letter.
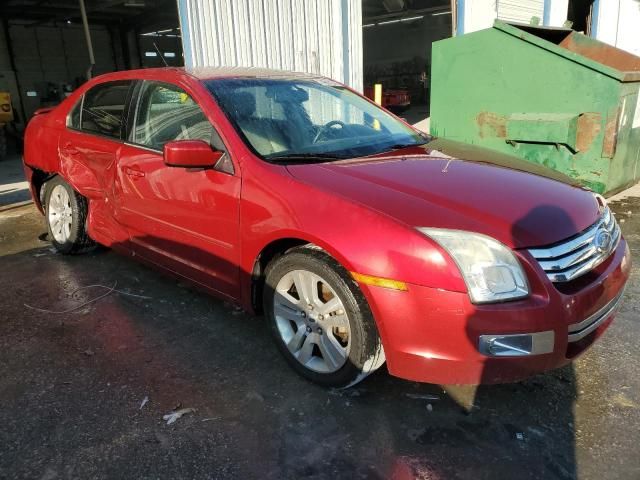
x: 60, y: 214
x: 312, y: 321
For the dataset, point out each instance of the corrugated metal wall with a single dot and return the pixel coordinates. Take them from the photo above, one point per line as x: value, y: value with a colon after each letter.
x: 520, y: 10
x: 618, y: 23
x: 315, y: 36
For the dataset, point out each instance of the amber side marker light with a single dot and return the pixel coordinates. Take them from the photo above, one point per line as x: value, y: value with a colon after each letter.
x: 379, y: 282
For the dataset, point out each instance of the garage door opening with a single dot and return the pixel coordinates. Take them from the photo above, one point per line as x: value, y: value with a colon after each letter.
x: 397, y: 37
x: 44, y: 54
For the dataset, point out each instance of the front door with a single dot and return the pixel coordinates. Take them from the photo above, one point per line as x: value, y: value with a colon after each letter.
x: 186, y: 220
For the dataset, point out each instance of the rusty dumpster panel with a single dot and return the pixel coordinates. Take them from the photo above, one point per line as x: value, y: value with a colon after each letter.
x: 548, y: 95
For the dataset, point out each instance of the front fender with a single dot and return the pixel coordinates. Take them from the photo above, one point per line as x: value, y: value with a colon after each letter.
x: 276, y: 206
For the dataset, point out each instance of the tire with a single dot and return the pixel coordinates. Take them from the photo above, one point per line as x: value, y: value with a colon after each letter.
x: 66, y: 217
x: 326, y: 346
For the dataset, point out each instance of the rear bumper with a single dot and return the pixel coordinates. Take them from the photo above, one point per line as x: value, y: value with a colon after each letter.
x: 28, y: 173
x: 439, y: 336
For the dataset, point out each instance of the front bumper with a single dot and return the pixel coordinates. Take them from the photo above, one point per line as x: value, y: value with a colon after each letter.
x: 438, y: 336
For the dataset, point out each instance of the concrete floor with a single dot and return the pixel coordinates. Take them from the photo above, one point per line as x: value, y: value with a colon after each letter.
x: 13, y: 187
x: 71, y: 387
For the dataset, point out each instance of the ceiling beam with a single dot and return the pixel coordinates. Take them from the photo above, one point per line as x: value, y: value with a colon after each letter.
x: 406, y: 14
x: 93, y: 9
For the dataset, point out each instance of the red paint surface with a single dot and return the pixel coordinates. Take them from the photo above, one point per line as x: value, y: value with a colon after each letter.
x: 189, y: 154
x: 210, y: 227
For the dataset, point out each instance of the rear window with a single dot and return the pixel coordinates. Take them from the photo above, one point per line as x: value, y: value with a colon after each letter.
x: 103, y: 109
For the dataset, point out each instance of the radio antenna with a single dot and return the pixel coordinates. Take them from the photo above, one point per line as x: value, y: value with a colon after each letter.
x: 160, y: 53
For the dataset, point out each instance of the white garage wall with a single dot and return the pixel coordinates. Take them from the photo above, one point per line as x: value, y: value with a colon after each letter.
x: 480, y: 14
x: 557, y: 13
x: 314, y: 36
x: 520, y: 10
x: 618, y: 23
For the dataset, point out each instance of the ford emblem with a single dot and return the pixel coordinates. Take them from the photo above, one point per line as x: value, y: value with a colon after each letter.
x: 602, y: 241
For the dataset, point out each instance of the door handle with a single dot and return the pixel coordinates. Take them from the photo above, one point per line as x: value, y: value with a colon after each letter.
x: 69, y: 149
x: 133, y: 172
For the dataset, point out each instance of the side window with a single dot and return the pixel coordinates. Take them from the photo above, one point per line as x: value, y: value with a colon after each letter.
x: 73, y: 120
x: 103, y: 109
x: 166, y: 113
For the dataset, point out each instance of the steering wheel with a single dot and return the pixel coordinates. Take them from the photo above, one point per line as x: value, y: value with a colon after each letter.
x: 325, y: 128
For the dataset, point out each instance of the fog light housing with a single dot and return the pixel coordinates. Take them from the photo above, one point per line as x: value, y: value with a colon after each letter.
x: 518, y: 345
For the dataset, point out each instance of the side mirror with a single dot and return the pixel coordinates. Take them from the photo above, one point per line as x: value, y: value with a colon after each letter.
x: 190, y: 154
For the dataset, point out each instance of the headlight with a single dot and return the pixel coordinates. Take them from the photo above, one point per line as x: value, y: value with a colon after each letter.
x: 489, y: 268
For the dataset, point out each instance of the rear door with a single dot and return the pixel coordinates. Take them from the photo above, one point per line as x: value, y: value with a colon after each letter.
x: 89, y: 148
x: 184, y: 219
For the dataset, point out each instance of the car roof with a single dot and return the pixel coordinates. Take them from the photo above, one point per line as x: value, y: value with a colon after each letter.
x: 203, y: 73
x: 208, y: 73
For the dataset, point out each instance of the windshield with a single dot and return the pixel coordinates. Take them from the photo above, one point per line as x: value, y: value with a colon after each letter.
x: 304, y: 119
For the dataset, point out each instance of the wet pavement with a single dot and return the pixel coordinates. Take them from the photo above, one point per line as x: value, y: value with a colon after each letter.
x: 72, y: 385
x: 13, y: 187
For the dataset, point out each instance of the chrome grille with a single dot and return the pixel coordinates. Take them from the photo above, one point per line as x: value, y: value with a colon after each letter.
x: 580, y: 254
x: 578, y: 331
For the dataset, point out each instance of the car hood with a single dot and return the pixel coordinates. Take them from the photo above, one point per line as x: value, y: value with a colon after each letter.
x: 446, y: 184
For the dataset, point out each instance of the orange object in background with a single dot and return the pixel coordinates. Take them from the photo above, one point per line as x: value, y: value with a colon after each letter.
x: 397, y: 100
x: 6, y: 112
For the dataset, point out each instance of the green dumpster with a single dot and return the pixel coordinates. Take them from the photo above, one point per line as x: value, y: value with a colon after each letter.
x: 548, y: 95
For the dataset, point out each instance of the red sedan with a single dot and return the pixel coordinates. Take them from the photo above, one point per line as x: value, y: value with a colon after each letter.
x: 360, y: 239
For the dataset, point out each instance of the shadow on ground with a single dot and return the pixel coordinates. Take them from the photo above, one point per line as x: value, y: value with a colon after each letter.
x: 72, y: 386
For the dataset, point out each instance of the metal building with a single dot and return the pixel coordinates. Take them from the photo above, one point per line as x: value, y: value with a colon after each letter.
x: 315, y: 36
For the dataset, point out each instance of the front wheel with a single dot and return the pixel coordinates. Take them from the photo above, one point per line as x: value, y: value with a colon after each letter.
x: 321, y: 321
x: 66, y: 215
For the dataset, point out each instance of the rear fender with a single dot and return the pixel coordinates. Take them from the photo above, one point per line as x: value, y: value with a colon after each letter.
x: 81, y: 178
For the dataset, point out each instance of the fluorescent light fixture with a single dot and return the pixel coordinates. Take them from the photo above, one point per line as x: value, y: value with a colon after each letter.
x: 441, y: 13
x: 170, y: 54
x: 395, y: 20
x: 150, y: 54
x: 165, y: 31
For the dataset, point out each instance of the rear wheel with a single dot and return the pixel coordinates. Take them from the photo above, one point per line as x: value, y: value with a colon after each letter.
x: 66, y: 216
x: 321, y: 321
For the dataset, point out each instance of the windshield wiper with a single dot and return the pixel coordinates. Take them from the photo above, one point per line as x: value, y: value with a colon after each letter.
x: 398, y: 146
x: 305, y: 157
